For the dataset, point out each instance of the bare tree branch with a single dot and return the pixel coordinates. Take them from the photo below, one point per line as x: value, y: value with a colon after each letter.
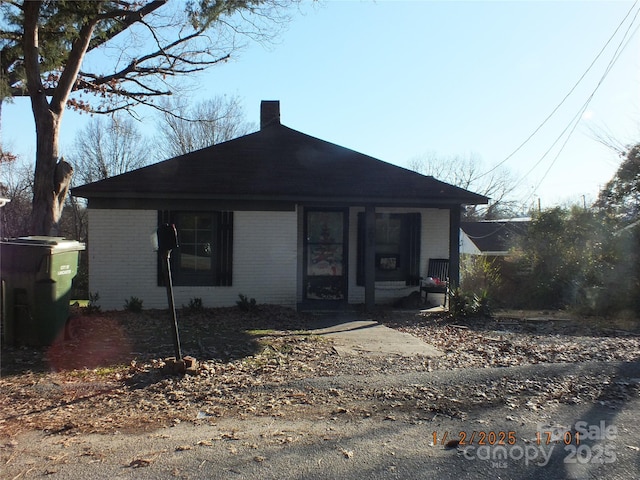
x: 464, y: 172
x: 72, y: 67
x: 127, y: 20
x: 45, y: 43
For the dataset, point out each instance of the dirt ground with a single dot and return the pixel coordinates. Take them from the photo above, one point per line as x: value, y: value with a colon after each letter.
x: 272, y: 399
x: 108, y: 375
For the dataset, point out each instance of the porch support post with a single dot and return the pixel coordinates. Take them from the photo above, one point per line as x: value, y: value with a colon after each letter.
x: 454, y: 245
x: 370, y: 258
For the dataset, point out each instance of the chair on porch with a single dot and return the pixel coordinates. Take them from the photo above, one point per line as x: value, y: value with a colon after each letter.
x: 437, y: 279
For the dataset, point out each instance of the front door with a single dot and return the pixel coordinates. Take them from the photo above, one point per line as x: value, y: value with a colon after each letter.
x: 325, y: 252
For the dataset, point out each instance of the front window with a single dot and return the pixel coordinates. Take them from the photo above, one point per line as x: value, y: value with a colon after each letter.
x: 390, y: 264
x: 397, y: 253
x: 204, y: 253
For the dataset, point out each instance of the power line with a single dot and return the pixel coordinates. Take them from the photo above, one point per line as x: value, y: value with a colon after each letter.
x: 499, y: 164
x: 626, y: 38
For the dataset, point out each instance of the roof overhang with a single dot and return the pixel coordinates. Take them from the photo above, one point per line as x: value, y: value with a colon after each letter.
x: 257, y: 202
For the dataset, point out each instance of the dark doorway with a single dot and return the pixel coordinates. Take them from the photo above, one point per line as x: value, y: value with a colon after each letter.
x: 325, y: 255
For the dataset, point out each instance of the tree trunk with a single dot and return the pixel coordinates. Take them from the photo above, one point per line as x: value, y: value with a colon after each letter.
x: 52, y: 176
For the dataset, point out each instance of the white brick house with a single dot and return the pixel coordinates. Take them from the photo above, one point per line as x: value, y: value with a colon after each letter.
x: 276, y: 215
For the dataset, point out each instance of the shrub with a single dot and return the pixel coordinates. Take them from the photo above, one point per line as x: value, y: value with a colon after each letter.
x: 481, y: 305
x: 459, y: 303
x: 92, y: 306
x: 479, y: 273
x: 245, y: 304
x: 134, y: 304
x: 195, y: 305
x: 463, y: 304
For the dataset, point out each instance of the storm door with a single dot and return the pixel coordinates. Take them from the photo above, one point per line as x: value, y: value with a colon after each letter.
x: 325, y: 252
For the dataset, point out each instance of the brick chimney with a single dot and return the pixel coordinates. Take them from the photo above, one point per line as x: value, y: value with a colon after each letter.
x: 269, y: 113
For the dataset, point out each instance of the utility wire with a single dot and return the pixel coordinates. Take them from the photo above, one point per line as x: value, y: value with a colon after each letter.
x: 499, y: 164
x: 573, y: 124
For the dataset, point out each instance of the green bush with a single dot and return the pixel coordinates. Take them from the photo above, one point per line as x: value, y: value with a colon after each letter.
x: 134, y: 304
x: 575, y: 258
x: 464, y: 304
x: 245, y: 304
x: 479, y: 273
x: 481, y: 305
x: 93, y: 306
x: 459, y: 303
x: 195, y: 305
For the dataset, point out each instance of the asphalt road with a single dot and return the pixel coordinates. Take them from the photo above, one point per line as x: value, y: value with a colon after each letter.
x: 583, y: 441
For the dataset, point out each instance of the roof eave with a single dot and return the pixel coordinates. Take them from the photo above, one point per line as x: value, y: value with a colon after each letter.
x: 354, y: 199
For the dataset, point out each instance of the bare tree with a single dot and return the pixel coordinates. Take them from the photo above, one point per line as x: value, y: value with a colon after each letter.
x: 106, y: 147
x: 207, y: 123
x: 142, y: 46
x: 604, y: 136
x: 468, y: 172
x: 16, y: 185
x: 103, y: 148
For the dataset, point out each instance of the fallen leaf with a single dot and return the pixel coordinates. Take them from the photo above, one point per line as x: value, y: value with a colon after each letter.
x: 451, y: 444
x: 140, y: 462
x: 346, y: 453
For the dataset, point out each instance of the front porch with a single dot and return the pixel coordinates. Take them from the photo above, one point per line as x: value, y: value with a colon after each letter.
x: 370, y: 255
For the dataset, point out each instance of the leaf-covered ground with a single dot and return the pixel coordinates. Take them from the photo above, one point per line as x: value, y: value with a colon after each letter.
x: 108, y: 374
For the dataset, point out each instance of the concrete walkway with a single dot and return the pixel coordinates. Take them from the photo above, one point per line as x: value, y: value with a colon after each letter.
x: 357, y: 337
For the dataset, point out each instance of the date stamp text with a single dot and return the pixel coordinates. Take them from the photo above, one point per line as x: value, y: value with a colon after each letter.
x: 581, y: 443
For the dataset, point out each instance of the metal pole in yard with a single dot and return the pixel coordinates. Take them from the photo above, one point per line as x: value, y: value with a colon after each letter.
x: 172, y: 307
x: 167, y: 241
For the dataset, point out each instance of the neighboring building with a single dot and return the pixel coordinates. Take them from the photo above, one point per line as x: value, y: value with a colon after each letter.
x: 275, y: 215
x: 491, y: 238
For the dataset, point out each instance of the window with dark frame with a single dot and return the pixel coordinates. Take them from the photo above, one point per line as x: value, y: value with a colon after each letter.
x: 397, y: 253
x: 204, y: 254
x: 389, y: 246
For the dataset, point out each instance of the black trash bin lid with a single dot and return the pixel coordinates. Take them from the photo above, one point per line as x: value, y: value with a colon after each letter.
x: 55, y: 244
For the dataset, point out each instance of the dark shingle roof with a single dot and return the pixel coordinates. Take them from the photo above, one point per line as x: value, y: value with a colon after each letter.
x: 495, y: 236
x: 278, y: 163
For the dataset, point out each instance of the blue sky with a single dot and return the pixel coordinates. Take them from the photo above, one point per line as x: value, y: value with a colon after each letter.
x: 401, y: 79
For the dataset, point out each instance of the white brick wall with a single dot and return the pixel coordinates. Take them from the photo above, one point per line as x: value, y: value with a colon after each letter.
x: 435, y: 236
x: 122, y: 262
x: 265, y: 256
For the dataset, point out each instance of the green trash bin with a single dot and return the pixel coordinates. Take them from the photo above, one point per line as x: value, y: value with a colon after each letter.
x: 37, y: 273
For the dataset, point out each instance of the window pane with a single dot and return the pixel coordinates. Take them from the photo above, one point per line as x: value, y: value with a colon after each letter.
x: 187, y: 236
x: 324, y: 260
x: 204, y: 222
x: 324, y: 227
x: 195, y: 232
x: 204, y: 236
x: 388, y: 230
x: 187, y: 221
x: 390, y: 248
